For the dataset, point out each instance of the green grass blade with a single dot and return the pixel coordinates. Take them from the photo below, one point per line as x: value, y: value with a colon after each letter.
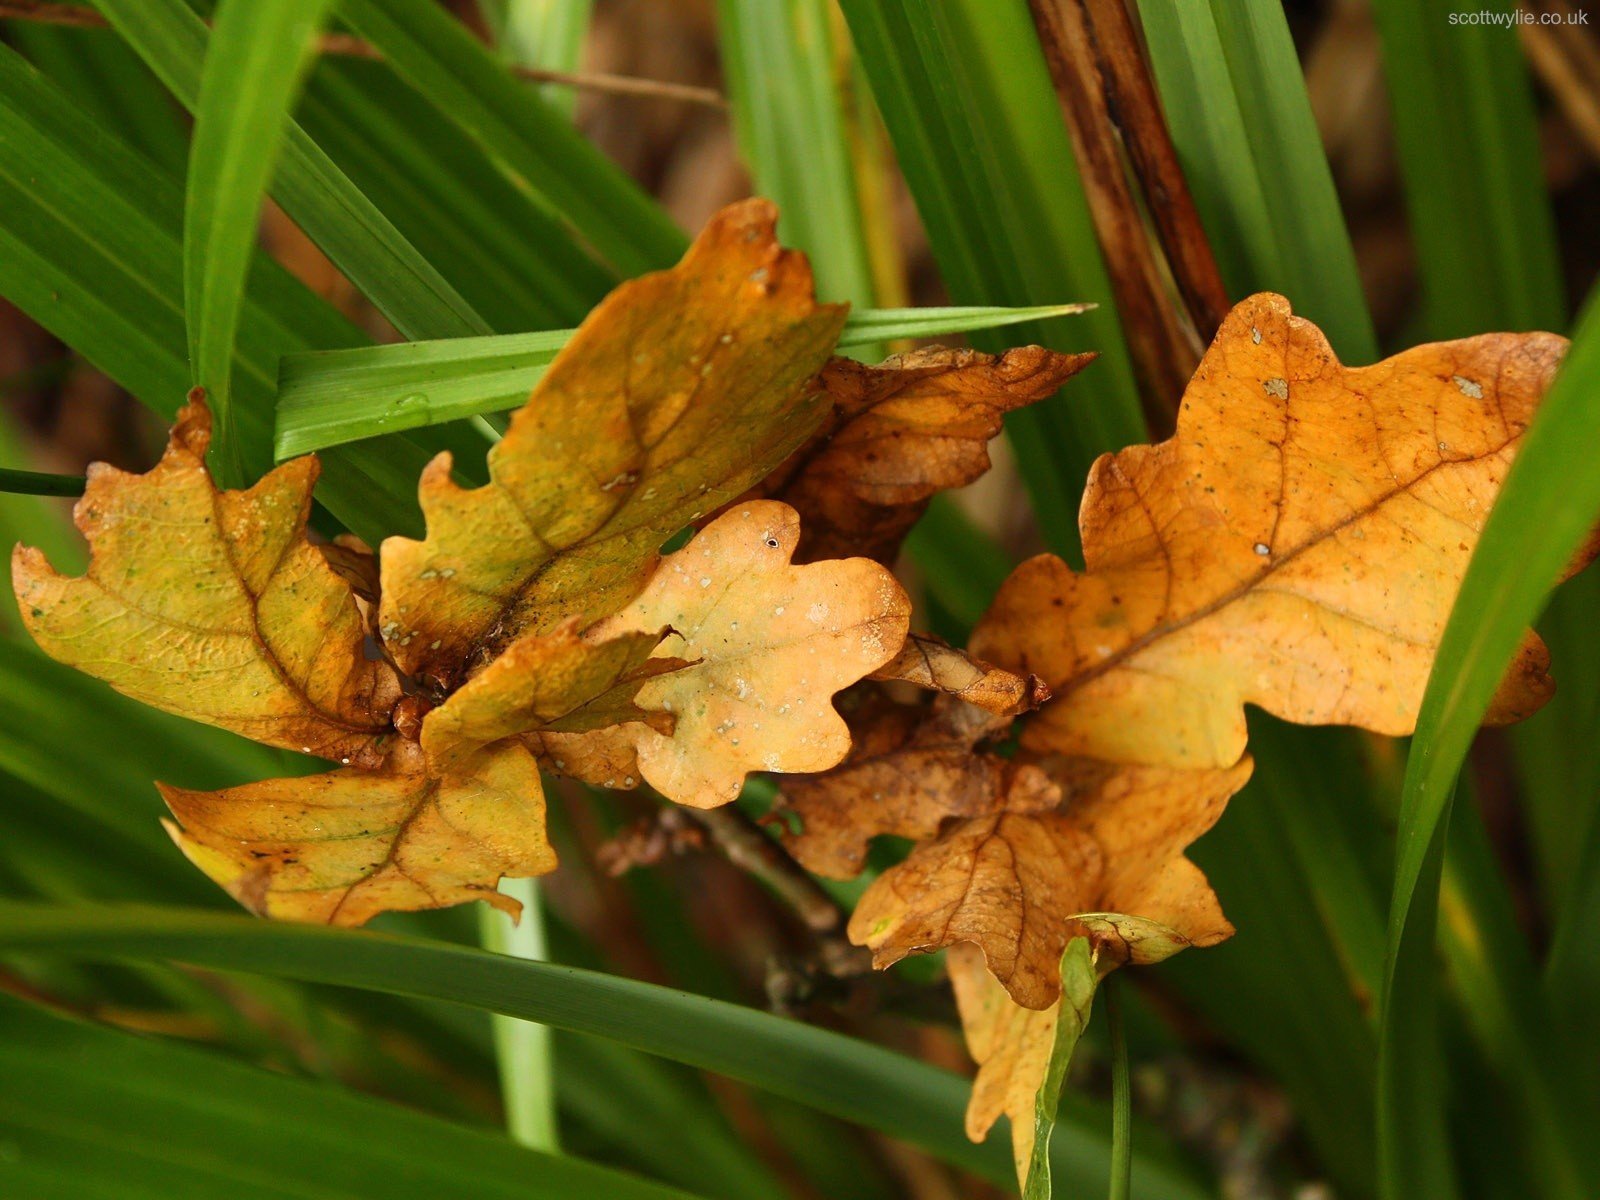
x: 1546, y: 508
x: 359, y: 239
x: 91, y: 248
x: 89, y: 1111
x: 977, y: 130
x: 855, y: 1080
x: 537, y: 145
x: 38, y: 483
x: 514, y: 262
x: 257, y: 55
x: 1468, y: 143
x: 328, y: 398
x: 523, y: 1048
x: 1236, y: 101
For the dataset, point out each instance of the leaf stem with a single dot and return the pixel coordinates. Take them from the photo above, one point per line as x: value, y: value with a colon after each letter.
x: 1121, y: 1095
x: 523, y: 1048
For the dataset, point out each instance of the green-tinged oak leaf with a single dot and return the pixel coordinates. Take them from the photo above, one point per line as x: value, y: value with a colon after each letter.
x: 556, y: 682
x: 680, y: 391
x: 213, y: 605
x: 344, y: 846
x: 768, y: 643
x: 1297, y: 545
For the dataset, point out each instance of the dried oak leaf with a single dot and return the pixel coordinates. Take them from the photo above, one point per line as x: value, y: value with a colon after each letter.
x: 1020, y: 886
x: 933, y: 663
x: 679, y: 392
x: 1296, y: 545
x: 767, y: 643
x: 344, y: 846
x: 909, y: 771
x: 213, y: 605
x: 900, y: 432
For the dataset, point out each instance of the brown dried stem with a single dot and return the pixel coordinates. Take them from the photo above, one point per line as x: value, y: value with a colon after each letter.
x: 1100, y: 79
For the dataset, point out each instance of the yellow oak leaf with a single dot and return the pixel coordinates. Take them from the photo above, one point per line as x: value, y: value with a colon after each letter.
x: 900, y: 432
x: 908, y: 772
x: 1020, y: 886
x: 1296, y: 545
x: 558, y: 682
x: 213, y: 605
x: 932, y: 663
x: 679, y: 392
x: 344, y: 846
x: 768, y: 643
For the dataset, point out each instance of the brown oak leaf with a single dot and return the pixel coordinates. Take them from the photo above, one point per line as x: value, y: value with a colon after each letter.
x: 213, y: 605
x: 679, y: 392
x: 1021, y: 885
x: 932, y: 663
x: 1296, y: 545
x: 900, y: 432
x: 909, y: 771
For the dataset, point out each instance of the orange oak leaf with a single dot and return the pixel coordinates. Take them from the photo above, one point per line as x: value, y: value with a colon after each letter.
x: 932, y: 663
x: 213, y: 605
x: 342, y: 847
x: 679, y: 392
x: 1021, y: 885
x: 908, y: 772
x: 900, y: 432
x: 1296, y: 545
x: 768, y: 643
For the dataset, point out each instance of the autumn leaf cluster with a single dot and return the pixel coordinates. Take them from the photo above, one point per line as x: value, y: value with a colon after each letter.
x: 1296, y: 545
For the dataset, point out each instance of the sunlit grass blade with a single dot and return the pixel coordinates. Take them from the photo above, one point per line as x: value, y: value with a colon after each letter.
x: 977, y: 131
x: 1545, y: 510
x: 856, y: 1080
x: 474, y: 90
x: 95, y: 1112
x: 359, y: 239
x: 326, y: 398
x: 523, y: 1048
x: 257, y: 54
x: 783, y: 65
x: 542, y: 33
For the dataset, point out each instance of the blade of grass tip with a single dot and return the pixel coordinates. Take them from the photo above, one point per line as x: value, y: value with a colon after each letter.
x: 39, y: 483
x: 258, y: 54
x: 1545, y: 511
x: 523, y: 1048
x: 326, y: 398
